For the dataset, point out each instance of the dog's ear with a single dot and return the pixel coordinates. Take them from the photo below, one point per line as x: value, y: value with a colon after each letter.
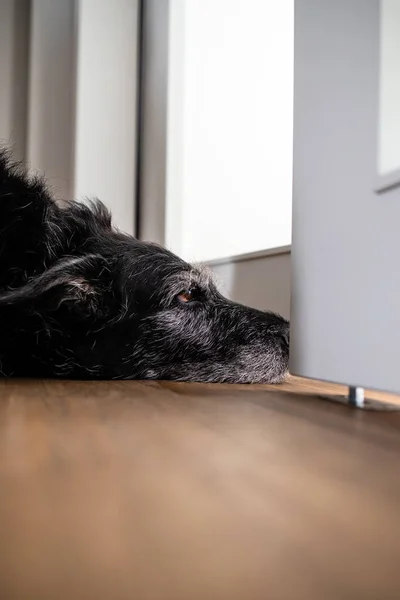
x: 76, y: 284
x: 25, y: 203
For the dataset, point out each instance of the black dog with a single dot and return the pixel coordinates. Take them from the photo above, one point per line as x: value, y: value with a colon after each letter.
x: 79, y: 299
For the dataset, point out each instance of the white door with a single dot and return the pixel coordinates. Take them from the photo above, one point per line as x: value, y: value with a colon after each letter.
x: 346, y: 212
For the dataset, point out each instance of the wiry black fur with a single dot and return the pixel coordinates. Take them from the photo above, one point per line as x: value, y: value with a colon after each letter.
x: 79, y: 299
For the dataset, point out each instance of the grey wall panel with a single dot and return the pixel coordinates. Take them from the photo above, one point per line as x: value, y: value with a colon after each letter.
x: 261, y: 280
x: 51, y: 128
x: 14, y: 50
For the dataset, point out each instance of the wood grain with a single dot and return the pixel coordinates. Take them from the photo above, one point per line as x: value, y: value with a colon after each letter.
x: 159, y: 491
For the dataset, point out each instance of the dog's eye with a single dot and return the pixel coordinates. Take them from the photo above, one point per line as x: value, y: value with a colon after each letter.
x: 188, y: 296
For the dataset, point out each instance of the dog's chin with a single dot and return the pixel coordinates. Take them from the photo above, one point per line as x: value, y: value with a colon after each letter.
x: 278, y: 378
x: 218, y: 373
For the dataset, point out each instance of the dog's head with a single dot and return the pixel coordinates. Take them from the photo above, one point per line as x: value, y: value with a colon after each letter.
x: 102, y: 304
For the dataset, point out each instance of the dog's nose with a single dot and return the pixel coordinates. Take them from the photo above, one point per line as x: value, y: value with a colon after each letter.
x: 286, y: 336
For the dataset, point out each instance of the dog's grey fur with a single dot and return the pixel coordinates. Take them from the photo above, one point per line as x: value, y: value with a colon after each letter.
x: 79, y: 299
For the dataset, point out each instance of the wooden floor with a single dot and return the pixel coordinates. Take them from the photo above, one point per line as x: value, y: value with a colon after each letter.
x: 154, y: 491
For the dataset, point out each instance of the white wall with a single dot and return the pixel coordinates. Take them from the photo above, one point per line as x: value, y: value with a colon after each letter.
x: 105, y: 144
x: 236, y: 146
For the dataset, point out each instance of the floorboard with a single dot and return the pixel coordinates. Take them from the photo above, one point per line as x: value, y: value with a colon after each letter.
x: 173, y: 491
